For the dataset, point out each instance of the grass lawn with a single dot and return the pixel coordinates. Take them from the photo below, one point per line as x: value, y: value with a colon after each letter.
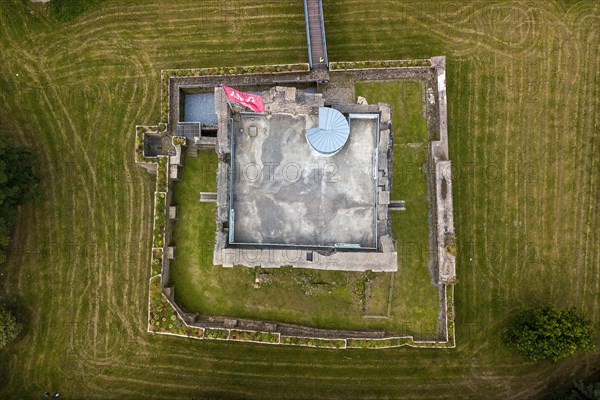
x: 333, y: 299
x: 522, y: 84
x: 415, y: 300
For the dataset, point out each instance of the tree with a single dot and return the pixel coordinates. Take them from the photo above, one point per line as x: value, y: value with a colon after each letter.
x: 579, y: 391
x: 546, y: 333
x: 9, y: 327
x: 66, y: 10
x: 18, y: 185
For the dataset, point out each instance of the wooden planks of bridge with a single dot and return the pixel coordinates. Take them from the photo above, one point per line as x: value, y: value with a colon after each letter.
x: 315, y: 33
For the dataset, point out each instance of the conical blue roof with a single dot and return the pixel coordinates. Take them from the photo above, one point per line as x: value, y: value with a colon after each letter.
x: 332, y: 133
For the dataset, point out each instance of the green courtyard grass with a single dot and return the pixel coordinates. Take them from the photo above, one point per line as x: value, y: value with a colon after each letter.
x: 415, y: 300
x: 333, y: 299
x: 523, y: 143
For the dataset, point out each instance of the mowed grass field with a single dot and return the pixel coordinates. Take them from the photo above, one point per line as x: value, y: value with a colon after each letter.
x: 325, y: 299
x: 523, y: 81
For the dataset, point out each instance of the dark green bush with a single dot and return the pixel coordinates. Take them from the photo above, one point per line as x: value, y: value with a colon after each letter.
x: 546, y: 333
x: 18, y: 185
x: 9, y: 326
x: 67, y: 10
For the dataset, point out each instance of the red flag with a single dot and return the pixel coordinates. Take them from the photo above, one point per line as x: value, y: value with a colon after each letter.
x: 246, y: 99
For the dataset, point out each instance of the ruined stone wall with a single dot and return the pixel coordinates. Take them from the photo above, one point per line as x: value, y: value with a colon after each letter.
x: 441, y: 214
x: 442, y: 177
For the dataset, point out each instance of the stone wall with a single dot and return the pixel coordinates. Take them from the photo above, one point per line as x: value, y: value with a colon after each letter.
x: 442, y: 178
x: 268, y: 332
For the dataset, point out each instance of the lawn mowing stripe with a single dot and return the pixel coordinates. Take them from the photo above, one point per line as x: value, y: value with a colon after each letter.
x: 587, y: 220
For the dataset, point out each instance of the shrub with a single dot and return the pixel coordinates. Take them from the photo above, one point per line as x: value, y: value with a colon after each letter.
x: 379, y: 343
x: 253, y: 336
x: 162, y: 178
x: 213, y: 333
x: 178, y: 141
x: 9, y: 327
x: 18, y: 185
x: 163, y: 318
x: 160, y: 218
x: 450, y: 244
x: 268, y: 337
x: 67, y: 10
x: 313, y: 342
x: 579, y: 390
x: 546, y: 333
x: 157, y: 257
x: 379, y: 64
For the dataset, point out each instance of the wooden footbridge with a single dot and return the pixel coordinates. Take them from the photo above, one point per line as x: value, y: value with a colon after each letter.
x: 315, y: 34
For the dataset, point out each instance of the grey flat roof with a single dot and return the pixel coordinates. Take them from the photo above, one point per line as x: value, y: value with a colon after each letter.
x: 285, y: 193
x: 200, y: 107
